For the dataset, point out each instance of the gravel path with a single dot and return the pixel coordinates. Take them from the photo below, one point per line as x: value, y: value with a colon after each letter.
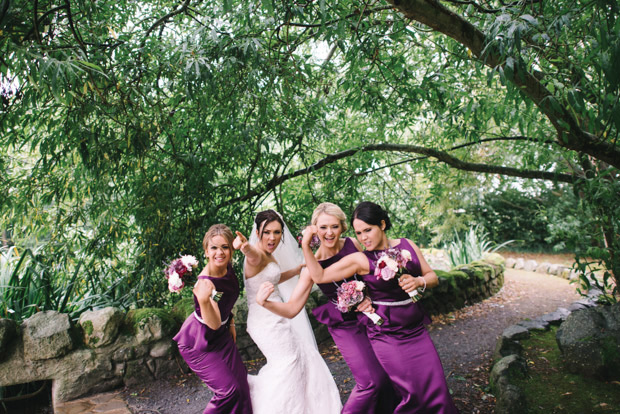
x: 465, y: 340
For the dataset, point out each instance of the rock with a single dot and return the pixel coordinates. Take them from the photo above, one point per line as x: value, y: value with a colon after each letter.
x: 543, y: 267
x: 510, y: 263
x: 557, y: 317
x: 508, y: 368
x: 530, y: 265
x: 162, y: 348
x: 80, y: 373
x: 150, y: 324
x: 589, y: 340
x: 535, y: 325
x: 8, y: 330
x: 511, y: 400
x: 516, y: 332
x: 520, y: 263
x: 553, y: 269
x: 100, y: 327
x: 47, y: 335
x: 505, y: 347
x: 137, y: 372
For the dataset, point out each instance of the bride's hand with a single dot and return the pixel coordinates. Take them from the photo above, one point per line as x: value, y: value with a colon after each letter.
x: 264, y: 291
x: 239, y: 241
x: 203, y: 289
x: 307, y: 233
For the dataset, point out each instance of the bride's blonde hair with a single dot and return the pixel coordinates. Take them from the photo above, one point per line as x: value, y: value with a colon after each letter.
x: 331, y: 209
x: 217, y: 230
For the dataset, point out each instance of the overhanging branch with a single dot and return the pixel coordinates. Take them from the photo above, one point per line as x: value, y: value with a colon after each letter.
x: 442, y: 156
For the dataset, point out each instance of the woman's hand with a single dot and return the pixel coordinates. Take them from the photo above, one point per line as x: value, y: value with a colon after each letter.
x: 307, y: 233
x: 409, y: 283
x: 240, y: 241
x: 365, y: 306
x: 203, y: 289
x: 264, y: 291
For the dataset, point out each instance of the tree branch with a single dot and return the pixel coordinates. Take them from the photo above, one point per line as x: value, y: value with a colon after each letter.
x: 442, y: 156
x: 164, y: 19
x: 570, y: 135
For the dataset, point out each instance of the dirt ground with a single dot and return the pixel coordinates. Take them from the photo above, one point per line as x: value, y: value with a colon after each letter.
x: 465, y: 341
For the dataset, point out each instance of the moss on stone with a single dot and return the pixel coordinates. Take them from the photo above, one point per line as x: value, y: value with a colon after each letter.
x: 88, y: 327
x: 137, y: 318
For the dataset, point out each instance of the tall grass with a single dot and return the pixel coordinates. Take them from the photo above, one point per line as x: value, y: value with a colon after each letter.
x: 471, y: 247
x: 29, y: 285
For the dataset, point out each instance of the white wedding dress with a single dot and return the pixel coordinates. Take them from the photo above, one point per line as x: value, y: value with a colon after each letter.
x: 295, y: 379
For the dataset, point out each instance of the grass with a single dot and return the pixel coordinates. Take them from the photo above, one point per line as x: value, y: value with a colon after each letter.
x: 549, y: 388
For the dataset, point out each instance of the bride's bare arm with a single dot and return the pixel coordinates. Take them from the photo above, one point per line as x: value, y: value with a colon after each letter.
x: 252, y: 254
x: 295, y: 303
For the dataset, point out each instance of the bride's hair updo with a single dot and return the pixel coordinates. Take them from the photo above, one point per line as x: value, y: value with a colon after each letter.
x: 217, y: 230
x: 371, y: 213
x: 331, y: 209
x: 265, y: 217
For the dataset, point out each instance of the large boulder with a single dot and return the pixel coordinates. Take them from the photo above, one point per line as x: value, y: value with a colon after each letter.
x: 589, y: 340
x: 100, y: 327
x: 47, y: 335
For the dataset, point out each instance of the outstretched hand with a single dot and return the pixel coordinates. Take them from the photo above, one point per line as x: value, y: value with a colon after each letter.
x: 264, y: 291
x: 239, y: 241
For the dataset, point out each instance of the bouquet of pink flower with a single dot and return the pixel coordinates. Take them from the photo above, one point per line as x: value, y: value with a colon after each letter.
x: 391, y: 263
x: 178, y: 271
x: 351, y: 294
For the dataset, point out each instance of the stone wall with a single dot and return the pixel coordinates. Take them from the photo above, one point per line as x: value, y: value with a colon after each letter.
x: 109, y: 348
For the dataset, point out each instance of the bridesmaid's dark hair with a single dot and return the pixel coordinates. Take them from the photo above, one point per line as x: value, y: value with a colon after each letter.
x: 371, y: 213
x: 265, y: 217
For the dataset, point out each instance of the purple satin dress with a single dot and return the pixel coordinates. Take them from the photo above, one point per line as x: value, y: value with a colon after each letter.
x: 212, y: 354
x: 402, y: 344
x: 373, y: 392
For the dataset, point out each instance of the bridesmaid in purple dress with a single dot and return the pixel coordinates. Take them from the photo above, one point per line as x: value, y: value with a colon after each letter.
x: 373, y: 392
x: 207, y: 338
x: 402, y: 344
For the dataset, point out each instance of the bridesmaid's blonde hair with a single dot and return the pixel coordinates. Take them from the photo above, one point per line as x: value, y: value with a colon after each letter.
x: 332, y: 210
x: 217, y: 230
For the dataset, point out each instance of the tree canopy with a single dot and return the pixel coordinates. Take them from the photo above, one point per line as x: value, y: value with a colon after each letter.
x: 129, y: 127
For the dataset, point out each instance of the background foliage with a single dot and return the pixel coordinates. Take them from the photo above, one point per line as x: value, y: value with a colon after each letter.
x: 130, y: 127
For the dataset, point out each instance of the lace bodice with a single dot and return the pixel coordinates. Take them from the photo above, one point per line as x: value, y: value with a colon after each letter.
x: 270, y: 273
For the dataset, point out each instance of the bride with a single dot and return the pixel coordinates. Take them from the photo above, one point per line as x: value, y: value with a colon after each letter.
x: 295, y: 378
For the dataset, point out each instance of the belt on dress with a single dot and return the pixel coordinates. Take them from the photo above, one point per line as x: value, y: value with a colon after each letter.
x: 202, y: 321
x: 399, y: 303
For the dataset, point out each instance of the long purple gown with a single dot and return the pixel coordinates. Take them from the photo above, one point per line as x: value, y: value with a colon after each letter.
x: 212, y: 354
x: 373, y: 392
x: 402, y: 344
